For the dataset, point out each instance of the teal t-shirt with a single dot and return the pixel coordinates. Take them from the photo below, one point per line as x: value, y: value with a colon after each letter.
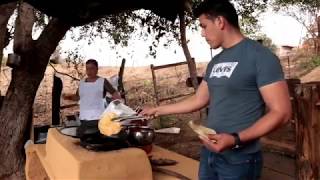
x: 234, y: 77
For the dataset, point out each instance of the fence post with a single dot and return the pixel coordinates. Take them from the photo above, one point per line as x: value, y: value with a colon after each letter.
x: 308, y: 131
x: 155, y: 84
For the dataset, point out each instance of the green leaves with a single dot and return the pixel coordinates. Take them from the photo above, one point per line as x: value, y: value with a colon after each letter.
x: 249, y: 11
x: 266, y: 41
x: 119, y: 29
x: 301, y: 3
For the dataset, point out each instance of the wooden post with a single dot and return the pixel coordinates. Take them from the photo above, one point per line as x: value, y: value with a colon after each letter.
x: 318, y: 36
x: 120, y: 80
x: 289, y: 74
x: 292, y: 84
x: 308, y: 131
x: 156, y: 90
x: 154, y: 84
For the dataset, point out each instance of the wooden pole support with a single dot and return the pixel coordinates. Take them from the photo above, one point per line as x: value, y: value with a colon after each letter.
x: 308, y: 131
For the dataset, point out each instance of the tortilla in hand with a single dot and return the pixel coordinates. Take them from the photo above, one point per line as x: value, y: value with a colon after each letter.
x: 201, y: 130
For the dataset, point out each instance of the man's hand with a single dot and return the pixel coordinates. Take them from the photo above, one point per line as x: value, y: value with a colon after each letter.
x: 218, y: 142
x: 149, y: 111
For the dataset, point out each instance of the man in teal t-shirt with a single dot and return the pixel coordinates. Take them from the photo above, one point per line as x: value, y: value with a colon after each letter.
x: 234, y: 77
x: 246, y: 92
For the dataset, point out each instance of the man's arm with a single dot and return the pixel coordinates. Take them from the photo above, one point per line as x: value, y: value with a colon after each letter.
x: 277, y: 99
x: 197, y: 101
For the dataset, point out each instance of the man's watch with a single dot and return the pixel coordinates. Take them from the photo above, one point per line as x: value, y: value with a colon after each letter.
x: 237, y: 142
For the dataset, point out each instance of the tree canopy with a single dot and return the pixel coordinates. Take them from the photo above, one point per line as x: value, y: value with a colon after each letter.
x: 119, y: 29
x: 306, y: 12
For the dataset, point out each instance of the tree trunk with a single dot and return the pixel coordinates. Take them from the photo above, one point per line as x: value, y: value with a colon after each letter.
x: 190, y: 60
x: 17, y: 105
x: 6, y: 11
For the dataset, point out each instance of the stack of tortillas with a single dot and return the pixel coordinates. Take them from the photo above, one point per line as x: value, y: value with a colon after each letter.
x: 201, y: 130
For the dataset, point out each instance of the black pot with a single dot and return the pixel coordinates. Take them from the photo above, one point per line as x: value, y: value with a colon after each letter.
x: 140, y: 135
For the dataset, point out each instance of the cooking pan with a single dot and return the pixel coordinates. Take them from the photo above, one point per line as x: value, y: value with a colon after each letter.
x: 100, y: 142
x: 134, y: 134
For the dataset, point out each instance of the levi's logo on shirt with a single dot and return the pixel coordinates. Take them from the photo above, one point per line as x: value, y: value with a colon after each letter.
x: 223, y: 69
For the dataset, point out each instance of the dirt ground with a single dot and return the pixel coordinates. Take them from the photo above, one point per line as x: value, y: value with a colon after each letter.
x: 187, y: 142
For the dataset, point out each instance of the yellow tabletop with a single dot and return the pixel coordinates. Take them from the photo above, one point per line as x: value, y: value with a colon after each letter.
x: 62, y: 158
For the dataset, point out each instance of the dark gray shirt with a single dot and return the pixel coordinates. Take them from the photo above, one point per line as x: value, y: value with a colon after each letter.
x: 234, y: 77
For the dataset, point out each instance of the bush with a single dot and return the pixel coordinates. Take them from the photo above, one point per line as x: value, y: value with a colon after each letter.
x: 313, y: 63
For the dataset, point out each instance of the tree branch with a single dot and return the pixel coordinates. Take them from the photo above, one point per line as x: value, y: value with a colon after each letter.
x: 23, y: 28
x: 65, y: 74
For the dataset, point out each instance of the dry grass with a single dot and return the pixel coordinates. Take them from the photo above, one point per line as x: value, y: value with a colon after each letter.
x: 137, y: 83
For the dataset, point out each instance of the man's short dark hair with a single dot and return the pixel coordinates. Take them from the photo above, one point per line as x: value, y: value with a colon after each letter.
x: 214, y: 8
x: 92, y: 61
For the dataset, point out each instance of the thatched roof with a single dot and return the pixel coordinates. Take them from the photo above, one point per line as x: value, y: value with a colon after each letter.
x: 79, y: 12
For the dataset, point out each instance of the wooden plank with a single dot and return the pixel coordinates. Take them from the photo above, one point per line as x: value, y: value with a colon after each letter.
x: 279, y: 163
x: 280, y: 146
x: 173, y: 97
x: 277, y: 166
x: 168, y: 65
x: 269, y: 174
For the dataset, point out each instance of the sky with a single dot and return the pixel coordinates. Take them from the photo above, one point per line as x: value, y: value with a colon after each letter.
x: 282, y: 29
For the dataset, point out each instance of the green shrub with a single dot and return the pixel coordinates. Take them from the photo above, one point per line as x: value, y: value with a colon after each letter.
x: 315, y: 61
x: 312, y: 63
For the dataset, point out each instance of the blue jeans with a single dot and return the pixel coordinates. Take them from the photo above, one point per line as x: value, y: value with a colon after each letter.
x: 234, y: 166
